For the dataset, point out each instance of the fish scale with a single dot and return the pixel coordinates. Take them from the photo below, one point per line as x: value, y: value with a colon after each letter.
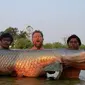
x: 34, y: 63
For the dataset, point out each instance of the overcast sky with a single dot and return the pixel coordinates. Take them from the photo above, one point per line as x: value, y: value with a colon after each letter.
x: 55, y: 18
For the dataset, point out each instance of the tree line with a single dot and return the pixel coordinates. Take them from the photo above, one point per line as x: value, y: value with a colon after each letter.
x: 22, y: 41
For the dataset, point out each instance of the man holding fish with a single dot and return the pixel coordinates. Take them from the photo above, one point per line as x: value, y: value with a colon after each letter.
x: 31, y: 63
x: 71, y: 65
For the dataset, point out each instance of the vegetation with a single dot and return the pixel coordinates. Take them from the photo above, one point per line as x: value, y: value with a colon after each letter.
x: 21, y: 41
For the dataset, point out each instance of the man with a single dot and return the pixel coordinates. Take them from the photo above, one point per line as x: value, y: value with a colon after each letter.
x: 5, y: 40
x: 73, y: 66
x: 37, y: 40
x: 74, y: 42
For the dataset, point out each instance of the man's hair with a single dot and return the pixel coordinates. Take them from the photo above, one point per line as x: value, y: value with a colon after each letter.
x: 74, y: 36
x: 37, y: 31
x: 6, y: 35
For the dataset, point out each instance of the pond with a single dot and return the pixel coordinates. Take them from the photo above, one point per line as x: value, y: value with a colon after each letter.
x: 39, y: 81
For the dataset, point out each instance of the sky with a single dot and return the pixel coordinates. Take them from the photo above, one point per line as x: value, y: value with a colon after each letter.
x: 55, y: 18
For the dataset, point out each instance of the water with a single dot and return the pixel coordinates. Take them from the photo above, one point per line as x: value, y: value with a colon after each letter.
x: 38, y: 81
x: 42, y: 81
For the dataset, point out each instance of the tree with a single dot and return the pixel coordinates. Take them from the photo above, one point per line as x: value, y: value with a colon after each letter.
x: 57, y: 45
x: 65, y: 40
x: 48, y: 46
x: 82, y: 46
x: 13, y: 31
x: 29, y: 31
x: 22, y: 34
x: 22, y: 43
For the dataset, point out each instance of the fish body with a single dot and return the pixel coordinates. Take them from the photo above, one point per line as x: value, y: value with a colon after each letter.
x: 25, y: 62
x: 32, y: 63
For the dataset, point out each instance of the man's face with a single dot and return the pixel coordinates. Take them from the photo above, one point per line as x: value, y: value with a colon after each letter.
x: 5, y: 43
x: 37, y: 39
x: 73, y: 44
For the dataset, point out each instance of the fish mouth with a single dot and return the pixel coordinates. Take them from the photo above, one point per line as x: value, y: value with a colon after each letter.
x: 51, y: 72
x: 53, y: 76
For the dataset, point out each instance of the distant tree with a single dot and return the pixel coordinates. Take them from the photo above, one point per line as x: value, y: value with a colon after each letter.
x: 65, y: 40
x: 82, y: 46
x: 29, y: 30
x: 57, y: 45
x: 20, y: 39
x: 22, y: 43
x: 22, y: 34
x: 13, y: 31
x: 48, y: 46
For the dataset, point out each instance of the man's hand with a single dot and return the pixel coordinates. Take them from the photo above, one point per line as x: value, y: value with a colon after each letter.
x: 68, y: 60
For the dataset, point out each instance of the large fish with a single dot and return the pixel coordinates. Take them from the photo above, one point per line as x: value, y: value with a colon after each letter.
x: 26, y: 62
x: 32, y: 63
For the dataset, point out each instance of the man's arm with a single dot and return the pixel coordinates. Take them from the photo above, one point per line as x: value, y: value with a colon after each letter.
x: 77, y: 61
x: 74, y: 59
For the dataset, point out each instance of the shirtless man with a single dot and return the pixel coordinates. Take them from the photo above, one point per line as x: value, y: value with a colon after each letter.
x: 37, y: 40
